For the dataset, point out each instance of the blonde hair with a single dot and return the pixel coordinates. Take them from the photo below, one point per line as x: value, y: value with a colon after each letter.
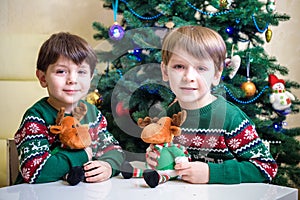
x: 200, y: 42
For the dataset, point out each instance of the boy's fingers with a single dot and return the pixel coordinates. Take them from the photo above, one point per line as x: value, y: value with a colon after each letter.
x: 181, y: 166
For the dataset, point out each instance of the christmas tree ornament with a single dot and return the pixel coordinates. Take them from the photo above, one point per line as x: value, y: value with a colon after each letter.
x: 268, y: 35
x: 271, y: 7
x: 280, y: 99
x: 170, y: 24
x: 116, y: 32
x: 233, y: 63
x: 220, y: 4
x: 248, y: 87
x: 120, y: 110
x: 197, y: 15
x: 94, y: 98
x: 230, y: 30
x: 277, y: 126
x: 211, y: 9
x: 225, y: 4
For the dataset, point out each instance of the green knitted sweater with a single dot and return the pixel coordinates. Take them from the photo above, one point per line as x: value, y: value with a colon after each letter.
x: 223, y: 136
x: 41, y: 157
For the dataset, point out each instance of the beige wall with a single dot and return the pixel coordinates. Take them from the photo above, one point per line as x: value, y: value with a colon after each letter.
x: 24, y: 25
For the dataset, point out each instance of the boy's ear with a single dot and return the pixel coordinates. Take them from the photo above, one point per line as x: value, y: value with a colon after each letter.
x: 217, y: 78
x: 164, y: 72
x: 41, y: 76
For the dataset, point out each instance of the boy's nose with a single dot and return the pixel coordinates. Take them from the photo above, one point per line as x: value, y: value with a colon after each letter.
x: 72, y: 78
x: 189, y: 75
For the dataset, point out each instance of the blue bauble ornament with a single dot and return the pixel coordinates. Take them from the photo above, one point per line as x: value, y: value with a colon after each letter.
x: 230, y: 30
x: 116, y: 32
x: 277, y: 126
x: 137, y: 52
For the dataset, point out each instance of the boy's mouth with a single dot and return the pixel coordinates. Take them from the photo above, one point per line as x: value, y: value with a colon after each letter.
x: 71, y: 91
x: 188, y: 88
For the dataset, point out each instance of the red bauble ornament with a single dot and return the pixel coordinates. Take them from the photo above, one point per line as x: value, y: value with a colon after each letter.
x: 120, y: 109
x: 249, y: 88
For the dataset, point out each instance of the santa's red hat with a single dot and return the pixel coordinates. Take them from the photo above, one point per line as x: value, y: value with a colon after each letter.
x: 273, y: 80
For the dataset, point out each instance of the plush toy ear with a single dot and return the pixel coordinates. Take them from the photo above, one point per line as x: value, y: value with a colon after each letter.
x: 79, y: 112
x: 175, y: 130
x: 179, y: 118
x: 144, y: 122
x: 60, y: 116
x: 55, y: 129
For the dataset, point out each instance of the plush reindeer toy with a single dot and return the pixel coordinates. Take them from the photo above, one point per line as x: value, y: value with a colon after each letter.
x: 72, y: 135
x: 160, y: 133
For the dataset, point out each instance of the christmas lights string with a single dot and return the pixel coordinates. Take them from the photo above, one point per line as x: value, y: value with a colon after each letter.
x: 142, y: 17
x: 245, y: 102
x: 238, y: 100
x: 120, y: 73
x: 256, y: 26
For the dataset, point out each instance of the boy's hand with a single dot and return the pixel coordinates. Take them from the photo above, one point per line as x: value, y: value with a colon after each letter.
x: 97, y: 171
x: 193, y: 172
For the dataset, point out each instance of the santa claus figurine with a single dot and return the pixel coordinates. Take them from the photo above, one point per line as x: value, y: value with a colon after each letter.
x: 280, y: 99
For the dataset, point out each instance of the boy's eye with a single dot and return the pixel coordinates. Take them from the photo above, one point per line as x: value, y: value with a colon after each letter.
x: 201, y: 68
x: 83, y: 72
x: 178, y: 67
x: 60, y: 71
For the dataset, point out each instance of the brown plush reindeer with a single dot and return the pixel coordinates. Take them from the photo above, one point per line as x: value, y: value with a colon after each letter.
x: 72, y: 134
x: 160, y: 133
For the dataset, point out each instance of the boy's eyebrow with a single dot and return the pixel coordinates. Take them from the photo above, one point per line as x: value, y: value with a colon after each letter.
x: 84, y: 65
x: 59, y: 65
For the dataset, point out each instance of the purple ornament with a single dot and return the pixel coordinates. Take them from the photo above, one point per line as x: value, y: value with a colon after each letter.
x: 116, y: 32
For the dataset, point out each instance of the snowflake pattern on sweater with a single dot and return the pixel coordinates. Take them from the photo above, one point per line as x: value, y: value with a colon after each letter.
x: 223, y: 132
x: 36, y: 145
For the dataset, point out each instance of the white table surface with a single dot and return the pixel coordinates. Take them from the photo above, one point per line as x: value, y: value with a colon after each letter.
x: 130, y: 189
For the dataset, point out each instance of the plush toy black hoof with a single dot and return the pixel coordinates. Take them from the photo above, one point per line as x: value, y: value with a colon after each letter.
x: 151, y: 177
x: 126, y: 170
x: 75, y: 175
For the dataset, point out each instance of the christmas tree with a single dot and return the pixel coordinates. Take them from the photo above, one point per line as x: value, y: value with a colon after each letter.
x: 131, y: 86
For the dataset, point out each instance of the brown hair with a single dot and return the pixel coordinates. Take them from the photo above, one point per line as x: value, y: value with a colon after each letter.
x: 200, y: 42
x: 68, y: 45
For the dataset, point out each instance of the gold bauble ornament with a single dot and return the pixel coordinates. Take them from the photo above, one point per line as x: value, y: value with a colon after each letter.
x: 94, y: 98
x: 268, y: 35
x: 223, y: 3
x: 249, y: 88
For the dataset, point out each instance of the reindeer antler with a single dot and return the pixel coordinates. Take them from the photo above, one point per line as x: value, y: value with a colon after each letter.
x: 178, y: 119
x: 144, y: 122
x: 79, y: 111
x: 60, y: 116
